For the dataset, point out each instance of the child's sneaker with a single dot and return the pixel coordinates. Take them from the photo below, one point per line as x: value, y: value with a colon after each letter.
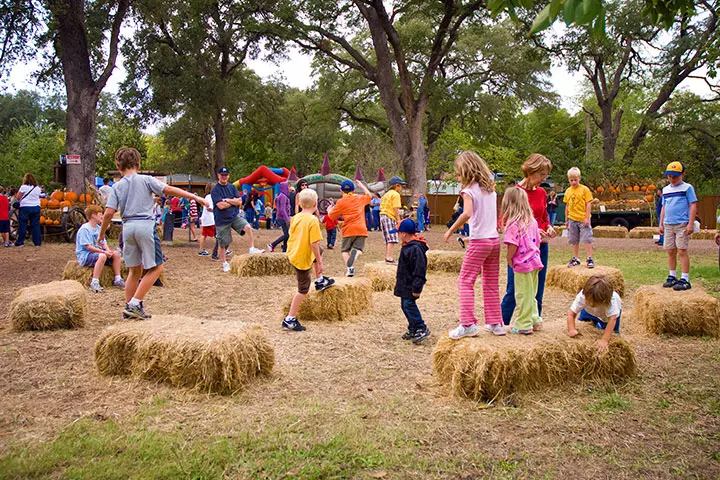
x: 120, y: 283
x: 330, y: 247
x: 497, y: 329
x: 291, y: 323
x: 537, y: 327
x: 350, y: 272
x: 408, y: 335
x: 96, y: 287
x: 203, y: 253
x: 461, y: 242
x: 228, y: 252
x: 226, y: 267
x: 136, y: 312
x: 590, y: 263
x: 682, y: 284
x: 462, y: 331
x: 254, y: 251
x: 670, y: 282
x: 270, y: 248
x: 8, y: 244
x: 529, y: 331
x: 420, y: 335
x: 323, y: 283
x: 574, y: 262
x: 215, y: 257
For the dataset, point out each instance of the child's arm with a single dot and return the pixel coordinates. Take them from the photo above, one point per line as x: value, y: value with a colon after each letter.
x: 364, y: 188
x: 462, y: 218
x: 693, y: 213
x: 419, y: 273
x: 511, y: 249
x: 318, y: 257
x: 107, y: 218
x: 603, y: 342
x: 588, y: 209
x: 572, y: 331
x: 178, y: 192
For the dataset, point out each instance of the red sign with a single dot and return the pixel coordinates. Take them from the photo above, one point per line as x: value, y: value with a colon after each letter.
x: 73, y: 159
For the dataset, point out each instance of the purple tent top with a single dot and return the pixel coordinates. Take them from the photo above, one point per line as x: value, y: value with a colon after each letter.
x: 358, y: 174
x: 293, y: 175
x: 325, y: 170
x: 381, y: 175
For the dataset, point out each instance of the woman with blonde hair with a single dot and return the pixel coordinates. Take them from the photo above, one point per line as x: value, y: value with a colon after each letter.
x: 29, y: 197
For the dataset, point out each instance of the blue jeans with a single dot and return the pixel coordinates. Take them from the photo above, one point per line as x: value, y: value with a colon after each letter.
x: 412, y: 313
x: 284, y: 237
x: 250, y: 217
x: 552, y: 216
x: 586, y: 317
x: 31, y: 214
x: 331, y: 237
x: 421, y: 220
x: 369, y: 220
x: 376, y: 219
x: 508, y: 302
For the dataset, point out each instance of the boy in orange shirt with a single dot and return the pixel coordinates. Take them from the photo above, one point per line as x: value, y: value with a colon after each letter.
x: 354, y: 230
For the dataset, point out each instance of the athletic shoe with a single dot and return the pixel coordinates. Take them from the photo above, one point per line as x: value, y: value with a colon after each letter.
x: 228, y: 252
x: 18, y: 246
x: 462, y: 331
x: 351, y: 259
x: 390, y: 261
x: 291, y: 323
x: 529, y: 331
x: 226, y: 267
x: 670, y: 282
x: 158, y: 283
x: 323, y: 283
x: 96, y: 287
x: 254, y: 251
x: 408, y: 335
x: 350, y: 272
x: 420, y: 335
x: 682, y: 284
x: 203, y: 253
x: 574, y: 262
x: 8, y: 244
x: 497, y: 329
x: 215, y: 257
x: 461, y: 242
x: 330, y: 247
x: 537, y: 327
x: 135, y: 312
x: 590, y: 263
x: 119, y: 283
x: 270, y: 248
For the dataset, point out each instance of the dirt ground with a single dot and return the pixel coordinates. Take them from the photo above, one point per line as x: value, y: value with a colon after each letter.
x: 361, y: 368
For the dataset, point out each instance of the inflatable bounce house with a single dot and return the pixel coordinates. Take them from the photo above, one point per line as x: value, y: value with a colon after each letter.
x: 263, y: 181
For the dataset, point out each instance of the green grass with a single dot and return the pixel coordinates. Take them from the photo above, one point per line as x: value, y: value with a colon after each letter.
x: 610, y: 402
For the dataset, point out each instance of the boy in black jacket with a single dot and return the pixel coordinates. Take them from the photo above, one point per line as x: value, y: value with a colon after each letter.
x: 410, y: 279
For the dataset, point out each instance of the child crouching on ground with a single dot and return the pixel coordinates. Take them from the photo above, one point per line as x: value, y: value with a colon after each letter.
x: 304, y: 253
x: 91, y: 253
x: 597, y: 302
x: 410, y: 279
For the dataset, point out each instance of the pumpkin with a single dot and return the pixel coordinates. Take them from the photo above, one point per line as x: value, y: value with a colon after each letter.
x: 600, y: 189
x: 71, y: 197
x: 628, y: 188
x: 86, y: 198
x: 43, y: 203
x: 651, y: 188
x: 56, y: 222
x: 42, y: 220
x: 58, y: 195
x: 636, y: 188
x: 648, y: 198
x: 65, y: 203
x: 53, y: 203
x: 48, y: 221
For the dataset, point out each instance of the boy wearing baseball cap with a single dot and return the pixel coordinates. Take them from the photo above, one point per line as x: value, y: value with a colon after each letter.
x: 351, y: 208
x: 390, y: 204
x: 679, y: 206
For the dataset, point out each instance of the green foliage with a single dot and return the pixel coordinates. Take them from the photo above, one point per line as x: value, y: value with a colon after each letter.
x: 115, y: 130
x: 30, y: 149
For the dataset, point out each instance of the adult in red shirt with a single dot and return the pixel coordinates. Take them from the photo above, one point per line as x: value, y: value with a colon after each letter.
x: 535, y: 170
x: 5, y: 219
x: 351, y: 208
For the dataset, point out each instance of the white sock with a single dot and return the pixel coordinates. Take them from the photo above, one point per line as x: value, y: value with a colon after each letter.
x: 118, y: 277
x: 686, y: 276
x: 673, y: 273
x: 95, y: 280
x: 134, y: 302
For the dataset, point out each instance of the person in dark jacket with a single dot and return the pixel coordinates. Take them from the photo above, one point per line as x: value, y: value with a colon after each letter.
x: 410, y: 279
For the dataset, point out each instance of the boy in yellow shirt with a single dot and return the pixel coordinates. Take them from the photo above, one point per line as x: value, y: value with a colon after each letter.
x: 578, y: 198
x: 390, y: 204
x: 304, y: 253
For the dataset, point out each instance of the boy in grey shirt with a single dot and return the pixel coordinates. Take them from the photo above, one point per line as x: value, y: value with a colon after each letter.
x: 133, y: 197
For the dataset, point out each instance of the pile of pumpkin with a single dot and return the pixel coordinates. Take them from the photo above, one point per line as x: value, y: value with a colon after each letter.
x: 53, y: 206
x: 645, y: 191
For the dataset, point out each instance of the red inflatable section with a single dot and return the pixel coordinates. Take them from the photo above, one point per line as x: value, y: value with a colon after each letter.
x: 263, y: 172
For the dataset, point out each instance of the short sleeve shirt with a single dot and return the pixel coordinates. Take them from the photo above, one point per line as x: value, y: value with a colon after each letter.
x: 304, y: 231
x: 86, y: 235
x: 676, y: 200
x: 218, y: 194
x: 389, y: 202
x: 133, y: 196
x: 207, y: 219
x: 577, y: 199
x: 601, y: 312
x: 352, y: 208
x: 527, y: 241
x: 32, y: 199
x: 483, y: 223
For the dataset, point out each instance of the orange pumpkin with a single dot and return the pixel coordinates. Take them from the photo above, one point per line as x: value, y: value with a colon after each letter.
x: 56, y: 222
x: 71, y: 197
x: 600, y: 189
x: 42, y: 220
x: 58, y: 195
x: 53, y: 203
x: 648, y: 198
x: 43, y: 203
x: 636, y: 188
x: 651, y: 188
x: 86, y: 198
x: 48, y: 221
x: 643, y: 188
x: 65, y: 203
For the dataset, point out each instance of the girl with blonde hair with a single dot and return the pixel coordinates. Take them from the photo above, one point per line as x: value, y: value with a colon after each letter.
x: 483, y: 250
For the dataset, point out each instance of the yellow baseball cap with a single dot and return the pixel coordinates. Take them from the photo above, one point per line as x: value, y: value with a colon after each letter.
x: 675, y: 168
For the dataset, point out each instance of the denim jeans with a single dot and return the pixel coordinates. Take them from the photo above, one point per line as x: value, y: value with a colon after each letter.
x: 552, y: 216
x: 331, y: 237
x: 250, y: 217
x: 369, y: 220
x: 31, y: 214
x: 282, y: 238
x: 376, y: 219
x: 421, y: 220
x: 508, y: 302
x: 412, y: 313
x: 586, y: 317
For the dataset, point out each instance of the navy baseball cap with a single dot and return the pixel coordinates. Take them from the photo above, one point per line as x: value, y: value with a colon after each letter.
x: 396, y: 181
x: 347, y: 186
x: 406, y: 226
x: 223, y: 171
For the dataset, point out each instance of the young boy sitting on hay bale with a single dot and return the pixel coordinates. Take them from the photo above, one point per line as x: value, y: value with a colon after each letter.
x: 91, y: 253
x: 598, y: 303
x: 410, y: 279
x: 304, y: 253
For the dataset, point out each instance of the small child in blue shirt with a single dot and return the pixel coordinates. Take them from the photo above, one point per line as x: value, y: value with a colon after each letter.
x: 94, y: 254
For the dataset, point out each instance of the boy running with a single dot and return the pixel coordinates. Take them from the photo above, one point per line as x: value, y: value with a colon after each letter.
x: 351, y: 208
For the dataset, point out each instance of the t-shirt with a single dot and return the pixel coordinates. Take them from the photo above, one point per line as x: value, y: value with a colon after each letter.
x: 304, y: 231
x: 527, y: 255
x: 220, y: 192
x: 207, y: 219
x: 32, y: 199
x: 352, y: 208
x: 375, y: 202
x: 388, y: 203
x: 676, y: 200
x: 104, y: 192
x: 483, y: 222
x: 4, y: 207
x: 602, y: 312
x: 86, y: 235
x: 577, y: 199
x: 175, y: 205
x: 132, y: 195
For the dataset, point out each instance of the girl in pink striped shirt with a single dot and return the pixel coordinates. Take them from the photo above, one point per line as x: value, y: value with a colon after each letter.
x: 483, y: 251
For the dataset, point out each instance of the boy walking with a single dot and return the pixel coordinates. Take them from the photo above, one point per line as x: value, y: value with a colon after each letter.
x: 91, y: 253
x: 304, y: 254
x: 351, y: 208
x: 578, y: 198
x: 132, y: 195
x: 390, y: 204
x: 679, y: 207
x: 410, y: 279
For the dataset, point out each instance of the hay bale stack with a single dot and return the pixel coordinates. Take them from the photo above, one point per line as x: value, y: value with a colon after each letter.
x: 73, y: 271
x: 491, y: 368
x: 703, y: 235
x: 689, y: 312
x: 610, y: 232
x: 209, y: 356
x: 259, y: 265
x: 382, y: 275
x: 49, y: 306
x: 348, y: 297
x: 114, y: 230
x: 573, y: 279
x: 559, y: 229
x: 643, y: 232
x: 444, y: 261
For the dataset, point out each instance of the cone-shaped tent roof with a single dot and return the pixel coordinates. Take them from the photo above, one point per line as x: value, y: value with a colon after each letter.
x: 381, y: 175
x: 358, y: 174
x: 325, y: 170
x: 293, y: 175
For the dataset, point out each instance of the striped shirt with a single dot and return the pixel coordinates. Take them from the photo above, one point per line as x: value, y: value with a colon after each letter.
x: 676, y: 200
x: 193, y: 209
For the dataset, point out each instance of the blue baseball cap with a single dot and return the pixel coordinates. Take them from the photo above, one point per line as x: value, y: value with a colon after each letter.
x: 223, y: 171
x: 396, y: 181
x: 347, y: 186
x: 406, y: 226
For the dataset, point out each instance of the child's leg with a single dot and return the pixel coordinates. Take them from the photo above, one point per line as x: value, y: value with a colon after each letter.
x: 295, y: 304
x: 588, y: 249
x: 472, y: 265
x: 534, y: 276
x: 303, y: 279
x: 684, y: 261
x: 412, y: 313
x: 576, y: 249
x: 490, y: 284
x: 99, y: 264
x: 672, y: 259
x: 525, y: 299
x: 544, y: 252
x: 202, y: 243
x: 147, y: 281
x: 116, y: 264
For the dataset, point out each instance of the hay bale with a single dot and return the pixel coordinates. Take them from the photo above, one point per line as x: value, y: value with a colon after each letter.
x: 382, y: 275
x: 688, y: 312
x: 348, y: 297
x: 49, y: 306
x: 643, y: 232
x: 703, y: 235
x: 114, y: 230
x: 209, y: 356
x: 559, y: 229
x: 573, y: 279
x: 444, y: 261
x: 610, y: 232
x: 490, y: 368
x: 259, y: 265
x: 73, y: 271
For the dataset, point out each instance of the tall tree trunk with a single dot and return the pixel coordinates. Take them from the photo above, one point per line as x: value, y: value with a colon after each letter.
x: 80, y: 137
x: 220, y: 140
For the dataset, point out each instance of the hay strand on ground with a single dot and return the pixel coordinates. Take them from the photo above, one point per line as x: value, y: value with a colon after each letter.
x: 209, y: 356
x: 49, y: 306
x: 347, y: 298
x: 382, y: 275
x: 259, y: 265
x: 610, y: 232
x: 643, y: 232
x: 573, y: 279
x: 444, y: 261
x: 689, y: 312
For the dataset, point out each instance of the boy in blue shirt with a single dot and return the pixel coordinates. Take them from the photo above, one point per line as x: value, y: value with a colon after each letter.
x: 91, y: 253
x: 679, y: 207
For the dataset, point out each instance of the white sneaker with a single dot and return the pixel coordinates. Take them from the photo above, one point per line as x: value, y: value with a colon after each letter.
x: 350, y: 272
x: 226, y: 267
x: 96, y: 287
x: 496, y: 329
x: 253, y: 250
x: 463, y: 331
x: 120, y: 283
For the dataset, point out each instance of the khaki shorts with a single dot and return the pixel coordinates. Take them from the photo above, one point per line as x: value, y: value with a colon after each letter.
x: 348, y: 243
x: 223, y: 233
x: 675, y: 236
